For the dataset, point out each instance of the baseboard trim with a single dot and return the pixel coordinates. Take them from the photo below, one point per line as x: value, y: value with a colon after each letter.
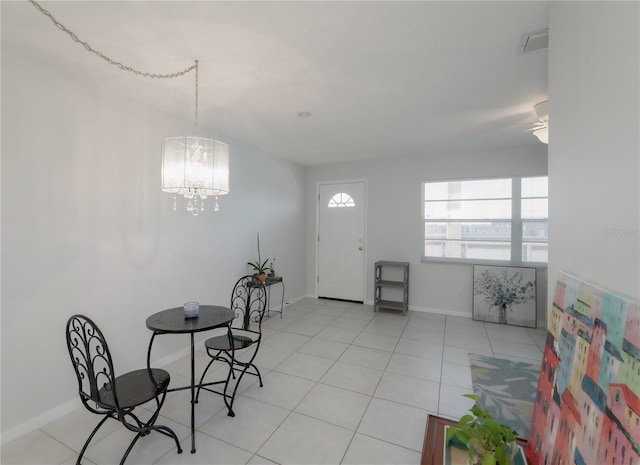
x: 437, y: 311
x: 440, y: 311
x: 172, y: 357
x: 40, y: 420
x: 68, y: 407
x: 297, y: 299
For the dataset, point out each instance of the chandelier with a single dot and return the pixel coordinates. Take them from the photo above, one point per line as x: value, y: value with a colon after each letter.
x: 195, y: 167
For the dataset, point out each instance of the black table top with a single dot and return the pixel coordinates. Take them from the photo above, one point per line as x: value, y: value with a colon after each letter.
x: 267, y: 282
x: 173, y: 320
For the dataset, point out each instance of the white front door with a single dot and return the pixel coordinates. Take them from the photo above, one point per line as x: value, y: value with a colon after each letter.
x: 341, y: 241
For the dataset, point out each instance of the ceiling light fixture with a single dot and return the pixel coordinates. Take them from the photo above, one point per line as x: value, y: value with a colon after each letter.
x: 195, y: 167
x: 541, y: 131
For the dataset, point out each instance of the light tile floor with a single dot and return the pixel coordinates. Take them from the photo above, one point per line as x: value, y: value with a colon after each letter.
x: 342, y: 385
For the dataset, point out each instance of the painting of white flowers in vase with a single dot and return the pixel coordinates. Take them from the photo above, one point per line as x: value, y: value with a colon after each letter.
x: 504, y: 295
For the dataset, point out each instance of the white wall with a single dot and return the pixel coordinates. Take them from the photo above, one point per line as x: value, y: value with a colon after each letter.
x: 394, y: 221
x: 594, y: 145
x: 86, y: 229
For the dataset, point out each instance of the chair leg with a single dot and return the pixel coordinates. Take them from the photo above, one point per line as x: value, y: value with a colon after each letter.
x: 140, y: 424
x: 226, y: 396
x: 228, y: 360
x: 168, y: 432
x: 93, y: 433
x: 126, y: 454
x: 143, y: 429
x: 204, y: 373
x: 259, y: 375
x: 160, y: 429
x: 235, y: 389
x: 250, y: 363
x: 244, y: 370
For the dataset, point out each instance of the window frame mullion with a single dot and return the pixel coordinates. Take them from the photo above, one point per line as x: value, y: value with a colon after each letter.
x: 516, y: 220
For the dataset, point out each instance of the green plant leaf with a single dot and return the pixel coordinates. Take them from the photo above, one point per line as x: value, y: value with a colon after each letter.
x: 463, y: 436
x: 451, y: 432
x: 477, y: 411
x: 489, y: 459
x: 258, y: 266
x: 485, y: 436
x: 501, y: 456
x: 466, y: 419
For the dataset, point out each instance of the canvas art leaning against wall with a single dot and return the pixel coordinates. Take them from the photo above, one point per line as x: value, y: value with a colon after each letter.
x: 587, y: 408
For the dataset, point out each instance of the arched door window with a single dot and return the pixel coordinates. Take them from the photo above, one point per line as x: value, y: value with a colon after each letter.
x: 341, y: 200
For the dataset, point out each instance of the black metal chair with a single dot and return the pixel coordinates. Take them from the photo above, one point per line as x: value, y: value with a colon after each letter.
x: 248, y: 302
x: 105, y: 394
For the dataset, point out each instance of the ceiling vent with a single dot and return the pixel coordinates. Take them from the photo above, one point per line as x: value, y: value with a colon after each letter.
x: 531, y: 41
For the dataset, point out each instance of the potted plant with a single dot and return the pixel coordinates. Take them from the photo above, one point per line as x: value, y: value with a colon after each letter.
x: 259, y: 266
x: 488, y: 442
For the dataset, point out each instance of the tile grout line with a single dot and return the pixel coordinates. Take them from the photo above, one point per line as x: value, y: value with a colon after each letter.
x: 312, y: 388
x: 290, y: 411
x: 301, y: 400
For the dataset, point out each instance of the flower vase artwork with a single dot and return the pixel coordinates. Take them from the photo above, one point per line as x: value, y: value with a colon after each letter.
x: 505, y: 295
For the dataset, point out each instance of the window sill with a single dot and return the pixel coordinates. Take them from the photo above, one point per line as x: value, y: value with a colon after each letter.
x: 471, y: 261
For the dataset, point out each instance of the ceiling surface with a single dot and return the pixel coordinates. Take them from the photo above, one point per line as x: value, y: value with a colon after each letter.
x: 379, y: 79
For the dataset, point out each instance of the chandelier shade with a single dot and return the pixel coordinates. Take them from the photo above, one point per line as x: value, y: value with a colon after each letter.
x: 196, y: 168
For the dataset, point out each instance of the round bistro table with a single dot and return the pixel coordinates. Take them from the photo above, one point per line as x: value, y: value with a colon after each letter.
x: 173, y: 321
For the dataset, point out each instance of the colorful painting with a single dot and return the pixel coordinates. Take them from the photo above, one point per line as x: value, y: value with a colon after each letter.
x: 505, y: 295
x: 587, y: 408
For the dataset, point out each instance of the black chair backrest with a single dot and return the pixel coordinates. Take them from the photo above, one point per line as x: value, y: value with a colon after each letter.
x: 91, y: 361
x: 248, y: 302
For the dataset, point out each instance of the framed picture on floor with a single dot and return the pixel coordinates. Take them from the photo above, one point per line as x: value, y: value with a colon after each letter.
x: 505, y: 295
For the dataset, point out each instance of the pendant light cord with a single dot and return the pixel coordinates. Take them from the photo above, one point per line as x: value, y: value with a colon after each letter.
x: 192, y: 192
x: 89, y: 48
x: 196, y: 66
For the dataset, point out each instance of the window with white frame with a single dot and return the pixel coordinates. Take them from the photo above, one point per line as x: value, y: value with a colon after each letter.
x: 493, y: 220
